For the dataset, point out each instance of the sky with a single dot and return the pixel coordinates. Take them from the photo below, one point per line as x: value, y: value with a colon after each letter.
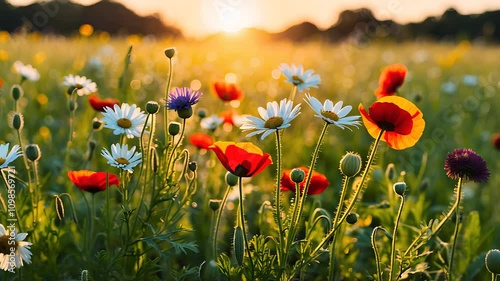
x: 198, y: 18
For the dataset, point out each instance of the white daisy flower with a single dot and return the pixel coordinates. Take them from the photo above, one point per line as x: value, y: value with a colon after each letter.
x: 297, y: 76
x: 333, y: 114
x: 13, y: 241
x: 82, y: 85
x: 121, y: 157
x: 7, y: 157
x: 26, y: 71
x: 127, y: 119
x: 275, y: 118
x: 211, y: 122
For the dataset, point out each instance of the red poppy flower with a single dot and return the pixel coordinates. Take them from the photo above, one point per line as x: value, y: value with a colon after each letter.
x: 99, y: 104
x: 390, y: 80
x: 92, y: 181
x: 242, y: 159
x: 495, y: 140
x: 201, y: 140
x: 227, y: 91
x: 317, y: 185
x: 401, y: 120
x: 1, y: 82
x: 227, y: 116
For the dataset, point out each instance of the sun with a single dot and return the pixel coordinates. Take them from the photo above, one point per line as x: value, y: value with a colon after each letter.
x: 229, y: 15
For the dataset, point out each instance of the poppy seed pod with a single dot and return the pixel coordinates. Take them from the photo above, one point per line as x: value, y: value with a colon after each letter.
x: 352, y: 218
x: 350, y: 164
x: 170, y: 52
x: 193, y: 166
x: 231, y: 179
x: 15, y: 120
x: 492, y: 261
x: 297, y: 175
x: 33, y: 152
x: 400, y: 188
x: 152, y: 107
x: 16, y: 91
x: 214, y: 204
x: 174, y: 128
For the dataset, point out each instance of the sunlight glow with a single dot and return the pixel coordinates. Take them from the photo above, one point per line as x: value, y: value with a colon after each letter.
x: 229, y: 15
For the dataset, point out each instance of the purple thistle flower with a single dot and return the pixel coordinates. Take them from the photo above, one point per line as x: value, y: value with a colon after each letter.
x: 466, y: 164
x: 182, y: 98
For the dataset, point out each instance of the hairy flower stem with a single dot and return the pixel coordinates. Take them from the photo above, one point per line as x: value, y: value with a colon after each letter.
x: 277, y: 201
x: 292, y: 93
x: 375, y: 251
x: 242, y: 221
x: 441, y: 224
x: 493, y: 277
x: 165, y: 110
x: 355, y: 198
x: 15, y: 210
x: 457, y: 227
x: 217, y: 222
x: 340, y: 206
x: 394, y: 233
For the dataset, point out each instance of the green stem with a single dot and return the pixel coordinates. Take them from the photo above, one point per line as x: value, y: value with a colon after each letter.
x: 7, y: 186
x: 92, y: 224
x: 335, y: 220
x: 441, y: 223
x: 243, y: 228
x: 292, y: 93
x: 217, y: 221
x: 165, y: 110
x: 171, y: 157
x: 355, y: 198
x: 394, y: 233
x: 457, y: 227
x: 493, y: 277
x: 277, y: 199
x: 375, y: 250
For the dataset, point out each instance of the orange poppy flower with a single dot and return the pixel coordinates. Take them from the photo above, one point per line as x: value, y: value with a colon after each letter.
x: 227, y: 116
x: 201, y: 140
x: 99, y: 104
x: 317, y: 185
x: 92, y: 181
x: 228, y: 91
x: 401, y: 120
x: 242, y: 159
x: 390, y: 80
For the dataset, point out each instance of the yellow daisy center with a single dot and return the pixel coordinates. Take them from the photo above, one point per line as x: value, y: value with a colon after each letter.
x: 297, y: 80
x: 273, y: 122
x: 122, y: 161
x: 2, y: 160
x: 78, y: 86
x: 330, y: 115
x: 5, y: 246
x: 124, y: 123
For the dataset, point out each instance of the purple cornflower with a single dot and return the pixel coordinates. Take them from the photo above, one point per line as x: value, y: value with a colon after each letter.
x: 182, y: 98
x: 465, y: 163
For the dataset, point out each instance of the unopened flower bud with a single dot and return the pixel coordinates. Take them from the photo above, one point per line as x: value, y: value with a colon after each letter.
x: 170, y: 52
x: 209, y: 271
x: 97, y: 124
x: 70, y: 90
x: 352, y: 218
x: 350, y: 164
x: 231, y: 179
x: 193, y: 166
x: 400, y: 188
x: 202, y: 113
x: 152, y: 107
x: 33, y: 152
x: 390, y: 172
x: 16, y: 91
x: 297, y: 175
x: 214, y: 204
x: 238, y: 245
x: 492, y: 261
x: 15, y: 120
x: 185, y: 113
x: 174, y: 128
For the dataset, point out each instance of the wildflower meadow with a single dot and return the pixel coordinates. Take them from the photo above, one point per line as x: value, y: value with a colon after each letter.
x: 146, y: 159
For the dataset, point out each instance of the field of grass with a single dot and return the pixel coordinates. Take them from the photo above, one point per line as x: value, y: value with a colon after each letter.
x: 456, y: 86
